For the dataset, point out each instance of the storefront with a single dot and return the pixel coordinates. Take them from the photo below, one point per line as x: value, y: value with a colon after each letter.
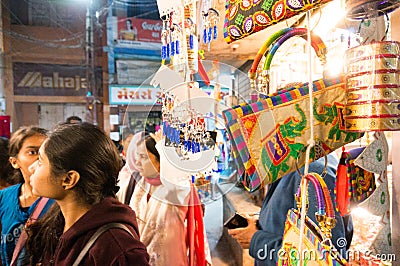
x: 136, y: 108
x: 48, y: 93
x: 332, y: 88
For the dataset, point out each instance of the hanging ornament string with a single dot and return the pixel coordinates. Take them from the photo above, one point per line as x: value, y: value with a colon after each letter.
x: 191, y: 39
x: 164, y: 39
x: 210, y: 19
x: 311, y: 142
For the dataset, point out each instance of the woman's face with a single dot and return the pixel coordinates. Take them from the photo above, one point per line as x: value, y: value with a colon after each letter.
x: 27, y: 155
x: 43, y: 184
x: 147, y: 163
x: 128, y: 24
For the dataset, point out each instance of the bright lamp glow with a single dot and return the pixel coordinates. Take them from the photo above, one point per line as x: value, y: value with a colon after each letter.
x: 331, y: 14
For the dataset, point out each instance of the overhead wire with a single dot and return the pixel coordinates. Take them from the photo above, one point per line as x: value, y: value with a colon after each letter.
x: 46, y: 43
x: 49, y: 17
x: 78, y: 36
x: 39, y: 41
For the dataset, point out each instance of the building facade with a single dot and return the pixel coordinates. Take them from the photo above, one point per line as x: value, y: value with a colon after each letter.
x: 51, y: 60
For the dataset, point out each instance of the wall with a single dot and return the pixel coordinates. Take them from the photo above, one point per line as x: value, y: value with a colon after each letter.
x: 51, y: 52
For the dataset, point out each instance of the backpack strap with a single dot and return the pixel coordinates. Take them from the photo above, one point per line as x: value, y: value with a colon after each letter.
x: 24, y: 236
x: 96, y: 235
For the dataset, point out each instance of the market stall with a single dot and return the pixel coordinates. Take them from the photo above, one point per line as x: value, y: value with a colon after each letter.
x: 293, y: 111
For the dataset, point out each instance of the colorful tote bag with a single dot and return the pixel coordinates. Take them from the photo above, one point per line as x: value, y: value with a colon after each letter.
x: 317, y: 247
x: 245, y: 17
x: 267, y: 135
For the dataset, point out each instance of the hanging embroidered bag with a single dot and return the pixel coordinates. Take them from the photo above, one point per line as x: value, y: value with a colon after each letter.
x: 317, y: 247
x: 245, y: 17
x: 267, y: 135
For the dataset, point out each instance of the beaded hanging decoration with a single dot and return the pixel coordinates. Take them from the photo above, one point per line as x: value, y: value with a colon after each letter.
x: 186, y: 131
x: 191, y: 39
x: 171, y: 36
x: 210, y: 17
x: 164, y: 42
x: 178, y: 41
x: 184, y: 128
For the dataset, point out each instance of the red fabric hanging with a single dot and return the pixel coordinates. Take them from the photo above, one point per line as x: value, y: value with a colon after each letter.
x: 195, y: 230
x: 342, y: 185
x: 202, y: 72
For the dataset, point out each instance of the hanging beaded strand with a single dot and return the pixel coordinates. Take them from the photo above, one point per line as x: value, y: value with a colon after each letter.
x: 192, y: 53
x: 164, y: 41
x: 176, y: 30
x: 214, y: 19
x: 205, y: 26
x: 172, y: 37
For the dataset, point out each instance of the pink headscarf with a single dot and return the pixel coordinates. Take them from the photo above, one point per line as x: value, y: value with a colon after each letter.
x: 131, y: 152
x: 130, y: 166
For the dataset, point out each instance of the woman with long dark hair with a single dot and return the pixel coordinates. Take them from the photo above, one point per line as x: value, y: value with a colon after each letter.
x: 78, y: 166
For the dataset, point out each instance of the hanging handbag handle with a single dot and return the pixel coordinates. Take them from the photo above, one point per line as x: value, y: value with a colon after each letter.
x: 316, y: 42
x: 326, y: 214
x: 276, y: 40
x: 318, y: 237
x: 24, y: 236
x: 263, y: 50
x: 323, y: 195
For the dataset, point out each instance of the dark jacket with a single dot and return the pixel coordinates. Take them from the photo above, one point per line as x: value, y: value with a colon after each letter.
x: 113, y: 247
x: 266, y: 242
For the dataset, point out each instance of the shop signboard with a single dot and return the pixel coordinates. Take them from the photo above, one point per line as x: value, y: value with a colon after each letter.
x: 133, y: 95
x: 147, y: 95
x: 52, y: 80
x: 143, y: 36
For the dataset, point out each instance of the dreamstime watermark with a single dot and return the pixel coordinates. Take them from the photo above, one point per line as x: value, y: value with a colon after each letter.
x: 293, y: 254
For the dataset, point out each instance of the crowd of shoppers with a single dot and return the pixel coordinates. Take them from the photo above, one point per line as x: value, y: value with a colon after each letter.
x: 100, y: 214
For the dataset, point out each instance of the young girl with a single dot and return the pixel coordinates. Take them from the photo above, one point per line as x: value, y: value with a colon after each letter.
x: 18, y: 202
x: 78, y: 166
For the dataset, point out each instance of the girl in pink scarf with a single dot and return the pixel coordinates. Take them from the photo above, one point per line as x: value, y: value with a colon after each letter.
x: 129, y: 174
x: 169, y: 231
